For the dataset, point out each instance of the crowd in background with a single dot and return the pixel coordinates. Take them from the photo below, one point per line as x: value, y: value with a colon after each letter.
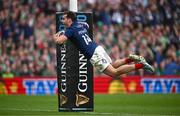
x: 150, y: 28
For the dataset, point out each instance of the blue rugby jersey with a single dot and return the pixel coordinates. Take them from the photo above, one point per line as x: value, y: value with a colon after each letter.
x: 78, y: 34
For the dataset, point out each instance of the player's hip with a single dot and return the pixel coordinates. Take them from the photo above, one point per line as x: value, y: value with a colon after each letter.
x: 100, y: 59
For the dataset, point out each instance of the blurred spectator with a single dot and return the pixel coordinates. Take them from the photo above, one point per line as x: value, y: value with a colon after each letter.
x: 150, y: 28
x: 171, y: 67
x: 8, y: 73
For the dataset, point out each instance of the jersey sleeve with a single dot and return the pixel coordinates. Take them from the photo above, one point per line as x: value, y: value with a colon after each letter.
x: 69, y: 33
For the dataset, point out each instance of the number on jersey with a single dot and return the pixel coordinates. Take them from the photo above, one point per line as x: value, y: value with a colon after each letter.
x: 87, y: 39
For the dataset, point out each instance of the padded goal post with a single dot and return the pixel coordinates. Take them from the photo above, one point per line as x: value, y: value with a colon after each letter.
x: 74, y: 72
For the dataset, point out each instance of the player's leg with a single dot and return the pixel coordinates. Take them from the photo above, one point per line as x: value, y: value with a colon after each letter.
x: 102, y: 61
x: 114, y: 72
x: 120, y: 62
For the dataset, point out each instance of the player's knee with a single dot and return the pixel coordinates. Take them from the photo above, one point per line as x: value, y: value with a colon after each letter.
x: 115, y: 73
x: 111, y: 71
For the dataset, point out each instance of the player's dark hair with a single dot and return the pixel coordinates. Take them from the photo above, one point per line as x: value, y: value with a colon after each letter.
x: 71, y: 15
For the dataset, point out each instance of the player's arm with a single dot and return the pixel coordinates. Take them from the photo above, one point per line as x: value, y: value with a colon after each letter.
x: 59, y: 37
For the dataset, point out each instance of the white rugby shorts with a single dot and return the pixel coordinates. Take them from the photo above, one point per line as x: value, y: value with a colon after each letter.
x: 100, y: 59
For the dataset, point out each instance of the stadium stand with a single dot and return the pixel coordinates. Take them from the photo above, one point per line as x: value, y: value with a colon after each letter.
x: 150, y: 28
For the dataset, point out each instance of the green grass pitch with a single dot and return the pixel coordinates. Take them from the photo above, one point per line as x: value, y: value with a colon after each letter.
x: 109, y: 105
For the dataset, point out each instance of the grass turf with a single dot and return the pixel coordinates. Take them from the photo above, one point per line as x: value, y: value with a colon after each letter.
x: 120, y: 104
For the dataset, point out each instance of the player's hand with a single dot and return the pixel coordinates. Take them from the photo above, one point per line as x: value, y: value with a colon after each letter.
x: 56, y: 37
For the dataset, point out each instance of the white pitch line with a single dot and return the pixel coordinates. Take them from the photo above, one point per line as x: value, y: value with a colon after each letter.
x: 99, y: 113
x: 125, y: 114
x: 90, y: 113
x: 21, y: 109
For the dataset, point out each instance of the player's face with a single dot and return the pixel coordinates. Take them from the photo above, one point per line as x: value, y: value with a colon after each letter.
x: 65, y: 20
